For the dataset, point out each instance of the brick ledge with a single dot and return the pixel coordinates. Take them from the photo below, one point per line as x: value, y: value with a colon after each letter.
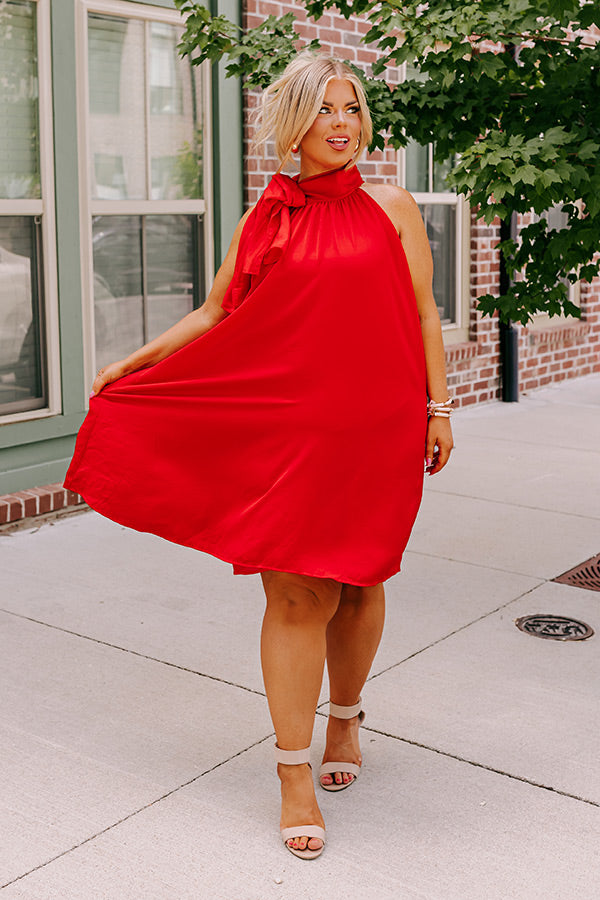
x: 36, y: 502
x: 465, y: 350
x: 558, y: 333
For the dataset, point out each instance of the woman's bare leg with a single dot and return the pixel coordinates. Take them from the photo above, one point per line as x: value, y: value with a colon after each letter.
x: 353, y: 636
x: 293, y: 649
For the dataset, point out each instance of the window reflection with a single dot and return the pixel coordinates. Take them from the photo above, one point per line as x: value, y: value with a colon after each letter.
x: 19, y: 139
x: 21, y: 379
x: 417, y: 167
x: 424, y: 176
x: 440, y: 224
x: 166, y: 94
x: 116, y: 57
x: 145, y: 121
x: 144, y: 279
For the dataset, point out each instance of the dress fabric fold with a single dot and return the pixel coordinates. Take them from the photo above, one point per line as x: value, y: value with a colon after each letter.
x: 291, y: 436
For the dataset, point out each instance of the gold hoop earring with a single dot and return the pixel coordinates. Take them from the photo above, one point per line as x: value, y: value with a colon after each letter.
x: 357, y: 144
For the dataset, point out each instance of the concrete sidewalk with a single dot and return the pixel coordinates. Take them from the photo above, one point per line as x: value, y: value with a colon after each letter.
x: 137, y: 746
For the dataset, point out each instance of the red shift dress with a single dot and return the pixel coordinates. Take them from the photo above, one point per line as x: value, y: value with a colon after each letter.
x: 291, y: 436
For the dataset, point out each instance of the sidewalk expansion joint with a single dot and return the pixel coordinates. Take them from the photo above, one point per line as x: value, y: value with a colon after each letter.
x: 136, y: 812
x: 452, y: 633
x: 479, y: 765
x: 512, y: 504
x: 541, y: 579
x: 162, y: 662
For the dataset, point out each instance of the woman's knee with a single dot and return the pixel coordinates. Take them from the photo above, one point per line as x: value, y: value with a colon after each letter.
x: 301, y: 598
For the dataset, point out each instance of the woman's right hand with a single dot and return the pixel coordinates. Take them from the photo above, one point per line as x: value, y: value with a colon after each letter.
x: 106, y: 375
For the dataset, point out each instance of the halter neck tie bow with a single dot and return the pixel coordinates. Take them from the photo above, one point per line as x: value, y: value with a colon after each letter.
x: 266, y: 233
x: 265, y: 236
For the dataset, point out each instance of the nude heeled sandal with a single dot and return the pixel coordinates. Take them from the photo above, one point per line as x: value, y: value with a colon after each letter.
x: 329, y: 768
x: 299, y: 758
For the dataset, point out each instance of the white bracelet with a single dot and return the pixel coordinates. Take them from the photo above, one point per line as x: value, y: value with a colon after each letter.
x: 442, y: 410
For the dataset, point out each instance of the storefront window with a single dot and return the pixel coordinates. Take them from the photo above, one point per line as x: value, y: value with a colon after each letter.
x: 146, y: 181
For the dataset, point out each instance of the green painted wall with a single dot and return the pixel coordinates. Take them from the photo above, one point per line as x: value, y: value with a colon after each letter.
x: 228, y: 139
x: 37, y: 452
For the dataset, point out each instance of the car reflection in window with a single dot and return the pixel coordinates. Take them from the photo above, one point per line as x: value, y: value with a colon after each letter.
x: 19, y: 350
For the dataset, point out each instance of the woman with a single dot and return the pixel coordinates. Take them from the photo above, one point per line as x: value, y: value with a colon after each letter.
x: 289, y: 414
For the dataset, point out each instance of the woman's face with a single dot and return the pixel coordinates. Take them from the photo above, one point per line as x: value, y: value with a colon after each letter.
x: 330, y: 142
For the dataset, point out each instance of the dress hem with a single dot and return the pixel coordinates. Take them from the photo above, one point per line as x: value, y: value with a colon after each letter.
x: 211, y: 550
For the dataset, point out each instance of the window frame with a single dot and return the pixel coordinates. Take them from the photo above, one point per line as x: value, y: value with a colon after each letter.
x: 457, y: 331
x: 90, y: 207
x: 44, y: 208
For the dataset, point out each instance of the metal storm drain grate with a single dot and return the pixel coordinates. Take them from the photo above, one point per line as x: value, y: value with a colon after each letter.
x: 585, y: 575
x: 555, y: 628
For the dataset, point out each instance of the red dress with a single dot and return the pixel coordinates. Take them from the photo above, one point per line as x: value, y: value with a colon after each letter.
x: 291, y: 436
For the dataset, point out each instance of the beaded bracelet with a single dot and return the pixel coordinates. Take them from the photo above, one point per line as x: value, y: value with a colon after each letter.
x: 443, y: 410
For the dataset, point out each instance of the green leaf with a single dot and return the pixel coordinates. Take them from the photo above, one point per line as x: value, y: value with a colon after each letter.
x: 527, y: 174
x: 592, y: 204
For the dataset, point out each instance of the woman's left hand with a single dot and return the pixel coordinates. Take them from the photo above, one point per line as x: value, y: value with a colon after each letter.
x: 439, y: 444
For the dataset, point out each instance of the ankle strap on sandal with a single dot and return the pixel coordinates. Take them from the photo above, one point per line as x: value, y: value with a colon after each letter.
x: 292, y: 757
x: 345, y: 712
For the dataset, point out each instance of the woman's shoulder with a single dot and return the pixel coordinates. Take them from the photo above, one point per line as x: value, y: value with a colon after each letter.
x: 396, y: 201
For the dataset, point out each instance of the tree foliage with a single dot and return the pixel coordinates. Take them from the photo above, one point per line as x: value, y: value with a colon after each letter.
x: 506, y: 88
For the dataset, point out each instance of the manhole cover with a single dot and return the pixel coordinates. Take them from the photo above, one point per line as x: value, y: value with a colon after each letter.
x: 585, y: 575
x: 555, y: 628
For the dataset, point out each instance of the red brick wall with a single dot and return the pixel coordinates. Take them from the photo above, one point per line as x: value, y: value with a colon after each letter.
x: 548, y: 354
x: 36, y: 502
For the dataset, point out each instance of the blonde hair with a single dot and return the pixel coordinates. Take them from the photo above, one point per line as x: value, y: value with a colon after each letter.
x: 291, y: 104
